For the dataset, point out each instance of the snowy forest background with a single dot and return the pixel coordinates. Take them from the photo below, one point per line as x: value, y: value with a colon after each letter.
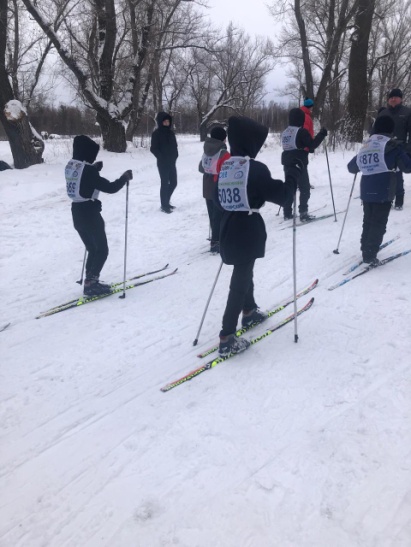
x: 124, y: 60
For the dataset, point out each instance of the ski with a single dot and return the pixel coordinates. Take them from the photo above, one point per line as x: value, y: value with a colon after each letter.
x: 112, y: 285
x: 322, y: 217
x: 368, y: 268
x: 86, y: 300
x: 360, y: 262
x: 273, y: 311
x: 313, y: 211
x: 214, y: 362
x: 4, y: 327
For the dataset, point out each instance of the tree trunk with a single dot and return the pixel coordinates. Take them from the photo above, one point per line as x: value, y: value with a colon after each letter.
x: 358, y: 73
x: 114, y: 134
x: 26, y: 147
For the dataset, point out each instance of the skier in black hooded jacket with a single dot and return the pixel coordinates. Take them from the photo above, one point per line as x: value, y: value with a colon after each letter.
x: 164, y: 147
x: 297, y: 144
x: 244, y: 185
x: 83, y: 183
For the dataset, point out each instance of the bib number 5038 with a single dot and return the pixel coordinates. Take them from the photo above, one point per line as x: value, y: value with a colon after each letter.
x: 228, y: 195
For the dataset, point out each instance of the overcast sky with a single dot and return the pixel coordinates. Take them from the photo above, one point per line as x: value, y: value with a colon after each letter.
x: 253, y: 16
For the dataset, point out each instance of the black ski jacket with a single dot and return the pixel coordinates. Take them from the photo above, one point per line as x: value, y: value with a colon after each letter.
x: 243, y: 236
x: 402, y: 117
x: 304, y: 141
x: 163, y: 141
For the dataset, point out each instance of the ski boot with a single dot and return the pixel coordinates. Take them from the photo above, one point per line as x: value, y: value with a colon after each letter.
x: 92, y: 287
x: 232, y: 344
x: 306, y: 217
x: 215, y: 247
x: 254, y: 317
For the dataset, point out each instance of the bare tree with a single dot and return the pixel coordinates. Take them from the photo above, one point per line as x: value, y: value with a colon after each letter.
x: 25, y: 143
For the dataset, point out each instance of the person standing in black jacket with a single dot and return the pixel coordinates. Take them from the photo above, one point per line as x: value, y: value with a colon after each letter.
x: 244, y: 185
x: 402, y: 131
x: 297, y: 143
x: 164, y: 147
x: 83, y: 183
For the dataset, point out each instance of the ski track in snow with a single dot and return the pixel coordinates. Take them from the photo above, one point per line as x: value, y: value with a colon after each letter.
x: 287, y: 445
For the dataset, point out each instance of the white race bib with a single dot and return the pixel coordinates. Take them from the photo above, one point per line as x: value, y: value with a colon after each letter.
x: 209, y: 163
x: 289, y: 137
x: 370, y: 158
x: 232, y: 184
x: 74, y: 171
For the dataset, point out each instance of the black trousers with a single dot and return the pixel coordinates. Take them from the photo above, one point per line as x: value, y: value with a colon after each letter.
x: 399, y: 191
x: 373, y: 227
x: 240, y: 296
x: 168, y: 178
x: 214, y: 214
x: 305, y: 193
x: 89, y: 224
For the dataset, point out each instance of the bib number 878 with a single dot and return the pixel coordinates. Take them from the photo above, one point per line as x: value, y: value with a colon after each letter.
x: 370, y: 158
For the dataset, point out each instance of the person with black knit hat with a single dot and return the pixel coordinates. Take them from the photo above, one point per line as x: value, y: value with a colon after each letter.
x: 83, y: 184
x: 297, y: 143
x: 244, y: 185
x: 164, y: 148
x: 215, y: 153
x: 378, y: 160
x: 401, y: 115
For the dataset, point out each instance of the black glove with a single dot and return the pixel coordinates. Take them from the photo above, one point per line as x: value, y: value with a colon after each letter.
x: 128, y: 175
x: 98, y: 165
x: 324, y: 131
x: 97, y: 205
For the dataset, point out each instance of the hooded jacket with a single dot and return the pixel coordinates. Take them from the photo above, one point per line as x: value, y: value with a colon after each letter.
x: 380, y: 187
x: 85, y: 150
x: 304, y: 141
x: 243, y: 236
x: 211, y: 148
x: 163, y: 141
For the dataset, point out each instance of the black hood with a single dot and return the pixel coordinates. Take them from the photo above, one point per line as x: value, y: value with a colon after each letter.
x: 85, y: 149
x: 296, y: 117
x: 246, y: 136
x: 161, y: 116
x: 212, y: 146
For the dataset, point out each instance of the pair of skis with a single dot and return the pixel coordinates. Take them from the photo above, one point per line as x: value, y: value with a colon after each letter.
x: 217, y: 360
x: 115, y: 288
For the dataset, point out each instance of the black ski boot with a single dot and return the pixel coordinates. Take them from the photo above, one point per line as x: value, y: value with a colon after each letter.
x: 306, y: 217
x: 254, y: 317
x: 232, y: 344
x: 92, y: 287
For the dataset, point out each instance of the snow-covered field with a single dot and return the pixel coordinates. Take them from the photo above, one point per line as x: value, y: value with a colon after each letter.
x: 287, y: 445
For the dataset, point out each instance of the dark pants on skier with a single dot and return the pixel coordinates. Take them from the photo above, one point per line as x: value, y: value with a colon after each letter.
x: 214, y: 214
x: 399, y: 191
x: 304, y: 187
x: 373, y: 228
x: 168, y: 178
x: 240, y: 297
x: 89, y: 224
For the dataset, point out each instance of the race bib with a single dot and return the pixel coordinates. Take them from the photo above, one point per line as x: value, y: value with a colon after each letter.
x: 370, y: 158
x: 232, y: 184
x: 209, y: 163
x: 74, y: 171
x: 288, y: 138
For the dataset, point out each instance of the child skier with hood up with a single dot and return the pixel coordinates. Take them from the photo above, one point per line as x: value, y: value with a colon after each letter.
x: 380, y: 160
x: 244, y: 185
x: 83, y: 183
x: 297, y: 144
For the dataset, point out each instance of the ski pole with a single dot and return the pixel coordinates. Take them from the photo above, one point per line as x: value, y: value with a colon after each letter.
x: 208, y: 302
x: 336, y: 251
x: 80, y: 281
x: 331, y: 186
x: 125, y: 246
x: 278, y: 213
x: 295, y: 267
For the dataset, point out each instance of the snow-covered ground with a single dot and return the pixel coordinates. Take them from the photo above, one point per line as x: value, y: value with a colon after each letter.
x: 287, y: 445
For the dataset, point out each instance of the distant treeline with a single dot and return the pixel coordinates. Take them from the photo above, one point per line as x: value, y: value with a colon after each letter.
x: 71, y: 120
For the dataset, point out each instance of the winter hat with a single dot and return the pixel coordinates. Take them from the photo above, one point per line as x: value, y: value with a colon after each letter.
x: 384, y: 124
x: 218, y: 133
x: 246, y: 136
x: 85, y: 149
x: 395, y: 93
x: 308, y: 102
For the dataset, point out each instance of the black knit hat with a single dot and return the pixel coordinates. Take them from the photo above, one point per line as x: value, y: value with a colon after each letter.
x: 218, y: 133
x: 384, y: 124
x: 85, y: 149
x: 395, y: 93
